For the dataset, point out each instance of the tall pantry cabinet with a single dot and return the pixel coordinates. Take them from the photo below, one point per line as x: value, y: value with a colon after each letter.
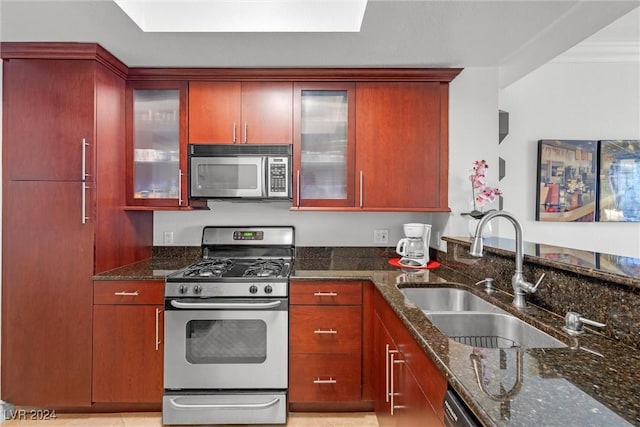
x: 63, y: 192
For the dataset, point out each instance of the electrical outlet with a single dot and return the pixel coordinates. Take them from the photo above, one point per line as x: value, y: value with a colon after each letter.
x: 380, y: 236
x: 438, y: 236
x: 168, y: 237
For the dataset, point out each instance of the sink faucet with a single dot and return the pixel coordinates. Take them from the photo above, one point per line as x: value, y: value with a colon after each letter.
x: 518, y: 282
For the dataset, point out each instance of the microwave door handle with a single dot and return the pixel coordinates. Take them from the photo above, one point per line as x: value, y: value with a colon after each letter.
x: 266, y: 178
x: 226, y: 306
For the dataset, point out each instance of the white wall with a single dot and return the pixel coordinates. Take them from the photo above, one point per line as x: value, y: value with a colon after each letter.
x: 568, y: 101
x: 473, y: 136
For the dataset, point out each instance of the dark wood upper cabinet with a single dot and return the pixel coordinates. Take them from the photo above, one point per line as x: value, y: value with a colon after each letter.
x: 240, y: 112
x: 49, y: 113
x: 267, y: 112
x: 402, y: 145
x: 156, y: 154
x: 215, y: 112
x: 324, y: 144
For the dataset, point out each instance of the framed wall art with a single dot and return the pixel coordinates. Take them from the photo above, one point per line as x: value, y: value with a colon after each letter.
x: 567, y: 180
x: 619, y: 199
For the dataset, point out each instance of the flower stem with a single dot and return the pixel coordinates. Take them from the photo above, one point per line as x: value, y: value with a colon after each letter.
x: 473, y: 196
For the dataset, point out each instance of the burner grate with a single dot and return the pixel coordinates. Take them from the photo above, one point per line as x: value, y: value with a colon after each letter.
x: 265, y: 268
x: 209, y: 268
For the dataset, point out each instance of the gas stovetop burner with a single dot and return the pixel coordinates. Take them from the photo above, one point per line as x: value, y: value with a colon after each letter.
x: 264, y: 268
x: 209, y: 268
x: 237, y: 262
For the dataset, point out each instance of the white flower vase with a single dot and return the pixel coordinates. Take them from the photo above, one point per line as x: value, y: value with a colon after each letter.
x: 473, y: 224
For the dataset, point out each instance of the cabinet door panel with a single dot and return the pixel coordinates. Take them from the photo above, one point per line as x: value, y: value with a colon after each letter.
x: 329, y: 329
x: 412, y: 405
x: 128, y: 354
x: 427, y: 375
x: 324, y: 139
x: 400, y: 145
x: 214, y: 112
x: 156, y: 144
x: 325, y: 378
x: 46, y: 295
x: 48, y: 111
x: 267, y: 112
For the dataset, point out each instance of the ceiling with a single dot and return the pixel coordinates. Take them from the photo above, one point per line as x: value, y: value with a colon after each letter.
x: 516, y: 36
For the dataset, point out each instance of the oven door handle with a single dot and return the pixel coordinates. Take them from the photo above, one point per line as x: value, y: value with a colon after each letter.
x: 225, y: 405
x: 227, y: 305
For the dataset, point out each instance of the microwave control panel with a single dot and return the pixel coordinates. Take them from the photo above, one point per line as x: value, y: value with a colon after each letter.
x: 278, y: 176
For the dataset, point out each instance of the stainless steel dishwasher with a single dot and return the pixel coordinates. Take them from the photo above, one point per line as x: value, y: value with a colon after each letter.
x: 456, y: 412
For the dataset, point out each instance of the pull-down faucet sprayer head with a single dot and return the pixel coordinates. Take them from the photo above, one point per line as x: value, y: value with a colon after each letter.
x: 476, y: 245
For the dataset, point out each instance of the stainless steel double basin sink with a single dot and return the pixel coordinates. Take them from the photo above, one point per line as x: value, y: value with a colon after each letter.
x: 469, y: 319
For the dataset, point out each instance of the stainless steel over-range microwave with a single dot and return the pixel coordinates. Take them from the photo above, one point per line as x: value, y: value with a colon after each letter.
x: 246, y: 171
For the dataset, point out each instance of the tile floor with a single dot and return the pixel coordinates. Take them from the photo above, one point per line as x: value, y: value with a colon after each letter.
x: 152, y: 419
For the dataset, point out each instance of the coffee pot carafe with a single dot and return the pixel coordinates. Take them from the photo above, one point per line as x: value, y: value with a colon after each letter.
x: 414, y: 248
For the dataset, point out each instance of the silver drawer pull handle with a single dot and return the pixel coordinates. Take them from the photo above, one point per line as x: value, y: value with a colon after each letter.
x: 329, y: 381
x: 325, y: 294
x: 126, y: 294
x: 324, y: 331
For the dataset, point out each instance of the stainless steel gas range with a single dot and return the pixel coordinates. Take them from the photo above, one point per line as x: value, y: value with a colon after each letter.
x: 226, y: 329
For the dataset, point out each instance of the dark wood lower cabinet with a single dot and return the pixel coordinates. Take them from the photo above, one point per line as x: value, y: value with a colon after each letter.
x: 46, y: 295
x: 127, y: 342
x: 325, y: 346
x: 408, y: 387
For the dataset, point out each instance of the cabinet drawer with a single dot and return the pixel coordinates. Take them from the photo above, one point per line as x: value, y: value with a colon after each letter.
x: 128, y: 292
x: 324, y: 378
x: 325, y: 329
x: 323, y: 292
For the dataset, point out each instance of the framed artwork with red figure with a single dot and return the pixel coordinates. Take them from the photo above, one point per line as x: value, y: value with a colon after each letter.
x: 567, y: 180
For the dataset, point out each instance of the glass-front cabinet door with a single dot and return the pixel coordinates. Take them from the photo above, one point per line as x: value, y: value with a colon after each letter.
x: 156, y: 164
x: 324, y: 144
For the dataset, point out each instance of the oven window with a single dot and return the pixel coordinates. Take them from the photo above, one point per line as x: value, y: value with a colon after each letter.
x: 226, y: 341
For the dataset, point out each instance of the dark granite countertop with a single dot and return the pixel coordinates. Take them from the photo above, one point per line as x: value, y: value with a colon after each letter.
x: 592, y: 382
x: 149, y: 269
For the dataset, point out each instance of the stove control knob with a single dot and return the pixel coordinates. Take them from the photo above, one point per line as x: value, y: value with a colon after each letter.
x: 182, y: 289
x: 253, y: 289
x: 268, y: 289
x: 197, y: 289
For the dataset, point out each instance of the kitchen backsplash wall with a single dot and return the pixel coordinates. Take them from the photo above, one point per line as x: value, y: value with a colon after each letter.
x: 311, y: 228
x: 605, y: 298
